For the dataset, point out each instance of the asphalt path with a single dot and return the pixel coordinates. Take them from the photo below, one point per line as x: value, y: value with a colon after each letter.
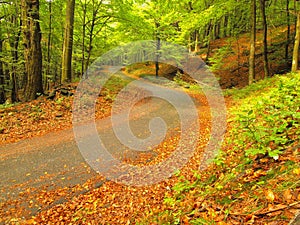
x: 52, y: 165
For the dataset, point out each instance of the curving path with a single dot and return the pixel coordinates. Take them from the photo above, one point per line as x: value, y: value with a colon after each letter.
x: 39, y: 173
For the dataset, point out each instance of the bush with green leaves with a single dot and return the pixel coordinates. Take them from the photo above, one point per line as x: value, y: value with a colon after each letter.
x: 268, y: 123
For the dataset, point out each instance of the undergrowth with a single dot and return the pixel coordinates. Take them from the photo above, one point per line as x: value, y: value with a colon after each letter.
x: 268, y: 123
x: 257, y: 169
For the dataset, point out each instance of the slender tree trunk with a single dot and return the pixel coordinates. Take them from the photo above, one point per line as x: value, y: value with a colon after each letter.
x: 208, y: 41
x: 238, y: 55
x: 90, y: 44
x: 96, y: 8
x: 2, y: 77
x: 288, y: 32
x: 84, y: 6
x: 190, y: 43
x: 32, y: 49
x: 196, y: 41
x: 295, y: 12
x: 296, y: 45
x: 157, y: 24
x: 190, y: 5
x: 219, y: 30
x: 252, y: 42
x: 157, y: 57
x: 14, y: 46
x: 224, y: 29
x: 66, y: 75
x: 49, y: 46
x: 265, y: 37
x: 214, y: 30
x: 14, y: 88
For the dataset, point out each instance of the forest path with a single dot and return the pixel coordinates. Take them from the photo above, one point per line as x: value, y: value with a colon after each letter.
x: 39, y: 173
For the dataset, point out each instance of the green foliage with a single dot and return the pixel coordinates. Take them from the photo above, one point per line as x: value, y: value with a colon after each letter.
x: 115, y: 83
x: 183, y: 186
x: 201, y: 221
x: 7, y: 105
x: 269, y: 123
x: 219, y: 56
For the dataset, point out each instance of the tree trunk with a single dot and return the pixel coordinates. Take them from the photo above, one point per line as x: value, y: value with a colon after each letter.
x: 208, y: 42
x: 295, y: 12
x: 66, y: 75
x: 252, y: 43
x: 84, y: 9
x: 288, y: 33
x: 90, y: 45
x: 14, y: 41
x: 2, y: 77
x: 190, y: 43
x: 96, y: 8
x: 238, y: 55
x: 225, y: 25
x: 49, y: 47
x: 196, y: 41
x: 296, y: 45
x: 32, y: 49
x: 265, y: 36
x: 157, y: 24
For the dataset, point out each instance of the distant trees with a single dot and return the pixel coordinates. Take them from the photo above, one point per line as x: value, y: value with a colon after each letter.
x: 47, y: 42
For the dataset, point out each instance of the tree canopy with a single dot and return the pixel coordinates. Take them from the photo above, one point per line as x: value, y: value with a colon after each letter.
x: 100, y: 25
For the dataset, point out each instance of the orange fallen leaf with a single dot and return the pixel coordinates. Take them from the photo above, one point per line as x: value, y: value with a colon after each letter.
x: 30, y: 221
x: 287, y: 195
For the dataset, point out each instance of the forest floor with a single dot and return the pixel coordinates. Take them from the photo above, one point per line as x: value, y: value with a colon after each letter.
x: 41, y: 188
x: 267, y: 192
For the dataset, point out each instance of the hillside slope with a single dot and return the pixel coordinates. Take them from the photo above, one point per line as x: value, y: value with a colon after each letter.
x: 255, y: 179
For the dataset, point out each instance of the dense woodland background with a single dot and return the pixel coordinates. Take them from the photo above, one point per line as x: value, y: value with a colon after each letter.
x: 44, y: 43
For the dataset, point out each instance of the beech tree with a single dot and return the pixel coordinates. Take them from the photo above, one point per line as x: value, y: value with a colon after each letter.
x: 2, y: 79
x: 265, y: 37
x: 252, y: 42
x: 296, y: 45
x: 32, y: 49
x: 66, y: 75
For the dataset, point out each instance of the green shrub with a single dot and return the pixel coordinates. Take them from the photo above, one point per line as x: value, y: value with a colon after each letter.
x: 268, y: 123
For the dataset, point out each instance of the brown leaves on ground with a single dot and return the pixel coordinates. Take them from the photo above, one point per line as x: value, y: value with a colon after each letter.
x: 266, y: 193
x: 26, y: 120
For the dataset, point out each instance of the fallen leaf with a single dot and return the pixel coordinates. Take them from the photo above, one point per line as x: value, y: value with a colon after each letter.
x: 296, y: 171
x: 287, y: 195
x: 30, y: 221
x: 270, y: 195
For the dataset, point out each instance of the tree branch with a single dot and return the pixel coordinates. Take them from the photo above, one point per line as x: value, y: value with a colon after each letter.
x: 267, y: 212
